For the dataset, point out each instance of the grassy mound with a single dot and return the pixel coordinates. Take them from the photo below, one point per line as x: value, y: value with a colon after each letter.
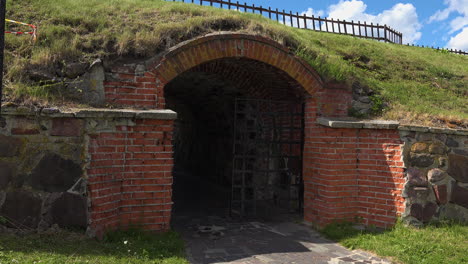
x: 419, y: 85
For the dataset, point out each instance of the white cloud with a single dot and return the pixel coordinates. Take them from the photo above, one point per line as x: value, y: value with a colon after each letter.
x: 309, y: 12
x: 460, y: 41
x: 458, y: 23
x: 402, y: 17
x: 457, y: 6
x: 312, y: 12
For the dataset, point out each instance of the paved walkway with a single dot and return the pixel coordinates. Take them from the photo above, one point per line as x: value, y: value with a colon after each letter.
x: 219, y: 240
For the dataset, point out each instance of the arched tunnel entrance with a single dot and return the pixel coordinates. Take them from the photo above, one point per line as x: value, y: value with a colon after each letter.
x: 237, y: 140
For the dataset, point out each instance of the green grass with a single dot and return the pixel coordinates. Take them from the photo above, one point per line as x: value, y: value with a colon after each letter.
x: 66, y: 247
x: 417, y: 83
x: 432, y: 244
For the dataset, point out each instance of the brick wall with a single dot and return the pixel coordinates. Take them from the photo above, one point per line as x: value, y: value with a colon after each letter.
x: 351, y: 173
x: 130, y: 176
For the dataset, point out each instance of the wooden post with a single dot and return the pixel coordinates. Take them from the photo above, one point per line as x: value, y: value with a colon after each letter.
x: 297, y: 18
x: 385, y: 33
x: 305, y: 21
x: 277, y: 15
x: 365, y: 28
x: 291, y: 18
x: 269, y: 12
x: 352, y: 23
x: 284, y: 17
x: 313, y: 22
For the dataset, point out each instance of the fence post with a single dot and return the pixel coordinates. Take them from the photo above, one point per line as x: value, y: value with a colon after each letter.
x: 269, y: 12
x: 277, y: 15
x: 365, y: 29
x: 385, y: 32
x: 291, y: 18
x: 297, y: 18
x: 313, y: 22
x: 305, y: 21
x: 284, y: 17
x: 354, y: 31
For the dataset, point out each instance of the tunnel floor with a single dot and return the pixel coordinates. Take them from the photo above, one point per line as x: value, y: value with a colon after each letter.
x: 201, y: 216
x: 214, y: 238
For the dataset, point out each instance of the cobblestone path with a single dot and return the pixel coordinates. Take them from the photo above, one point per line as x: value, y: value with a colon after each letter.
x: 211, y: 240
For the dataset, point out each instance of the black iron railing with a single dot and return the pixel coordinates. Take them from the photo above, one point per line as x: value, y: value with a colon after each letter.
x: 357, y: 29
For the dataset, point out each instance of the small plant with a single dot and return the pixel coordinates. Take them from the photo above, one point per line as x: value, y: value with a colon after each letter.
x: 377, y: 105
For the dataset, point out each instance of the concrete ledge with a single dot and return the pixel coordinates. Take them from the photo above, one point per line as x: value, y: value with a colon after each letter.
x: 91, y: 113
x: 435, y: 130
x: 352, y: 123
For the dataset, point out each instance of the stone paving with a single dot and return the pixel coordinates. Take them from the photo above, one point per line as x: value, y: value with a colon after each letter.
x: 218, y: 240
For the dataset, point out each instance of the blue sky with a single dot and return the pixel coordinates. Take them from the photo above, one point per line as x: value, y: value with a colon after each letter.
x: 441, y: 23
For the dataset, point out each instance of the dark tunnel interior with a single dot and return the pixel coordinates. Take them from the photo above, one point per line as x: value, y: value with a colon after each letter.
x: 209, y: 101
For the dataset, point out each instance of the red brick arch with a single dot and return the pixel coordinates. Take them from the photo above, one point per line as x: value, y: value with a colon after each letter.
x: 229, y: 45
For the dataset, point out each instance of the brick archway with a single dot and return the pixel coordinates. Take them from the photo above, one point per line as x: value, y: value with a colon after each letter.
x: 227, y: 45
x: 335, y: 161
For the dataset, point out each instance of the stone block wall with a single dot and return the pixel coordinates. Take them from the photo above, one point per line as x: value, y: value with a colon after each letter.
x: 436, y: 186
x: 41, y: 172
x: 91, y: 169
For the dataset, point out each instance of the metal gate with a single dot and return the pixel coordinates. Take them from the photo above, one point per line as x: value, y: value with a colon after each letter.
x: 267, y: 163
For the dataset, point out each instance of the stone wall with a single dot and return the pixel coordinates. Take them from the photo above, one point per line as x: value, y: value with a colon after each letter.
x: 42, y: 171
x: 90, y: 169
x: 437, y: 174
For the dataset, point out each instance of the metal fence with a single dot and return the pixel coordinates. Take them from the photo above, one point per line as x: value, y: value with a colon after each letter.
x: 343, y: 27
